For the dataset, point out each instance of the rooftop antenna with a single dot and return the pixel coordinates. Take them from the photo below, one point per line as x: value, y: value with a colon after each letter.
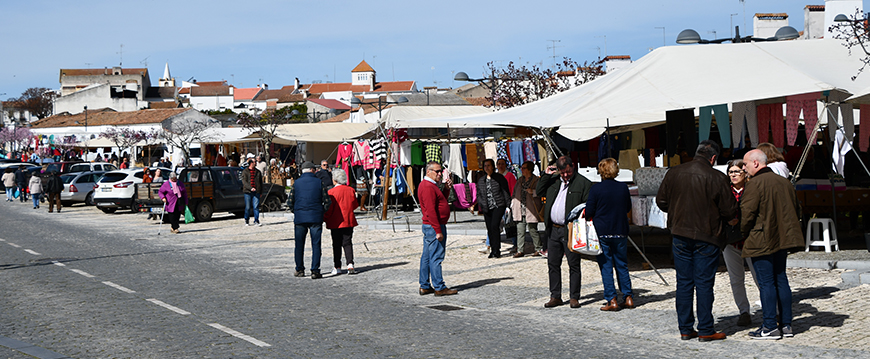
x: 712, y: 32
x: 88, y: 64
x: 663, y: 35
x: 599, y: 51
x: 553, y: 46
x: 145, y: 61
x: 121, y: 55
x: 605, y: 44
x: 744, y: 13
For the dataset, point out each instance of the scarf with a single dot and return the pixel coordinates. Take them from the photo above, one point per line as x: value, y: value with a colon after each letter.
x: 174, y: 186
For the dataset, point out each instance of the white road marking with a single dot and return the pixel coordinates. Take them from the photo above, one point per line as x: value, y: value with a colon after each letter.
x: 241, y: 336
x: 13, y: 244
x: 59, y: 264
x: 32, y: 252
x: 86, y: 274
x: 167, y: 306
x: 2, y: 240
x: 118, y: 287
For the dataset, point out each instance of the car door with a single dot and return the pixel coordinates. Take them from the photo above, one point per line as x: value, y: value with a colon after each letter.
x: 231, y: 196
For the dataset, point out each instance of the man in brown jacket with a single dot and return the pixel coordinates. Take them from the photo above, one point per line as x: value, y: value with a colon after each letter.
x: 698, y: 201
x: 770, y: 221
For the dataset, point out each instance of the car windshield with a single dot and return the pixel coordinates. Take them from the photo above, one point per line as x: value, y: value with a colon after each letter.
x: 67, y: 178
x: 113, y: 177
x: 80, y: 168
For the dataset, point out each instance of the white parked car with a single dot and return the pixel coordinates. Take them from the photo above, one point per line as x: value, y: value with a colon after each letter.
x: 92, y: 166
x: 117, y: 189
x: 79, y: 187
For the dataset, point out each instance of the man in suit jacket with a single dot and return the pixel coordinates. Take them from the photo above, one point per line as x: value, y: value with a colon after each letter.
x: 564, y: 190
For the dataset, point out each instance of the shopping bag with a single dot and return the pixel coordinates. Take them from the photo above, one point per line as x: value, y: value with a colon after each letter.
x: 188, y: 217
x: 16, y: 194
x: 657, y: 218
x: 582, y: 237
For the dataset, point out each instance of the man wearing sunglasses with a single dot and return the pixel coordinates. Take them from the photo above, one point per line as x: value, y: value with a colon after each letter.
x: 436, y: 212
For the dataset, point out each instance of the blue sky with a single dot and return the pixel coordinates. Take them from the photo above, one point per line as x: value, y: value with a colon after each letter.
x: 249, y: 42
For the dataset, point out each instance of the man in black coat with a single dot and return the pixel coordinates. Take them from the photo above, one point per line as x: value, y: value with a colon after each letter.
x: 21, y: 181
x: 54, y: 186
x: 325, y: 175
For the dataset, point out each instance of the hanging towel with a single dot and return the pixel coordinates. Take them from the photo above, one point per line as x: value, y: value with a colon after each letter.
x: 744, y: 113
x: 481, y: 155
x: 516, y: 152
x: 405, y: 153
x: 705, y: 120
x: 454, y: 162
x: 490, y: 151
x: 628, y: 160
x: 770, y: 122
x: 471, y: 157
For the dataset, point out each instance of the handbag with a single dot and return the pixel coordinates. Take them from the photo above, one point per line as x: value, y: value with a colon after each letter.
x: 466, y: 195
x: 582, y: 237
x: 508, y: 218
x: 188, y: 217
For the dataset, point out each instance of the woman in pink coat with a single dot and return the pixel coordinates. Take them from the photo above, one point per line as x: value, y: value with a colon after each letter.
x: 174, y: 197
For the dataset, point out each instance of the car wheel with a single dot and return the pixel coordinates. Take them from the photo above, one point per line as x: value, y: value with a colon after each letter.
x: 203, y: 212
x: 89, y: 199
x: 271, y: 204
x: 108, y: 210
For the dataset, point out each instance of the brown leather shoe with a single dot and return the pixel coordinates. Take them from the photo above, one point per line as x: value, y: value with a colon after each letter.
x: 554, y: 302
x: 611, y: 306
x: 445, y: 291
x: 518, y: 254
x: 574, y: 303
x: 628, y: 303
x: 710, y: 338
x: 424, y: 291
x: 689, y: 336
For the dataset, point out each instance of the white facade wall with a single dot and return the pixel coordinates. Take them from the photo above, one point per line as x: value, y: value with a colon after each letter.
x: 836, y: 7
x: 814, y: 24
x: 763, y: 28
x: 216, y: 103
x: 96, y: 97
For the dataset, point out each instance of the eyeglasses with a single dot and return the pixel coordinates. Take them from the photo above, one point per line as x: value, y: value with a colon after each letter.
x: 735, y: 172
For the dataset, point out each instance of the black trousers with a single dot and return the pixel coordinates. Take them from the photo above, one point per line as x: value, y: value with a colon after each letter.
x: 493, y: 228
x: 342, y: 238
x: 558, y: 247
x: 175, y: 215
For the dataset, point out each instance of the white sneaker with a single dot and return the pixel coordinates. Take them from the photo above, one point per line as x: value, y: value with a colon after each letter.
x: 258, y: 224
x: 335, y: 271
x: 247, y: 224
x: 484, y: 249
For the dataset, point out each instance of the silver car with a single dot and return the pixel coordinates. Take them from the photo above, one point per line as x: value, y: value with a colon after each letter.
x: 79, y: 187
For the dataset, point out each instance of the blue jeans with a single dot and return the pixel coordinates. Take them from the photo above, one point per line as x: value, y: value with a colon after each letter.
x: 252, y: 200
x: 695, y: 262
x: 9, y: 192
x: 614, y: 253
x: 773, y: 288
x: 430, y: 260
x: 36, y: 197
x: 302, y: 229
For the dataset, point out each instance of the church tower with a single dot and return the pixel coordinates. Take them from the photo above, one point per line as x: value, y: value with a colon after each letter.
x: 363, y: 74
x: 166, y: 80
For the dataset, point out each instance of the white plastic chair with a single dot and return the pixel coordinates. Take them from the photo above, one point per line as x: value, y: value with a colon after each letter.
x: 829, y: 234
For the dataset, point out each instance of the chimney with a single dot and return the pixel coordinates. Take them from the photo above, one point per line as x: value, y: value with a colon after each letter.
x: 296, y: 84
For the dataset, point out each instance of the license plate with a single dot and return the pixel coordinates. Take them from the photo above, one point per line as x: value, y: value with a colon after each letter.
x: 105, y: 204
x: 107, y: 190
x: 156, y: 210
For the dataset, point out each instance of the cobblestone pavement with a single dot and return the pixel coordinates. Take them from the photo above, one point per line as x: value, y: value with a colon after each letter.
x: 236, y: 285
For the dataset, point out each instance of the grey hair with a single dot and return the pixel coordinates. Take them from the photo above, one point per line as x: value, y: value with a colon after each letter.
x: 172, y: 175
x: 430, y: 165
x: 338, y: 175
x: 757, y: 155
x: 707, y: 149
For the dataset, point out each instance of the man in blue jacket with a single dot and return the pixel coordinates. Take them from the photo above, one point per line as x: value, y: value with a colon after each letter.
x: 308, y: 200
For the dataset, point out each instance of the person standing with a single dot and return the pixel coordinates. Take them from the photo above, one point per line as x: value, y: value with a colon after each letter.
x: 564, y: 190
x: 308, y: 200
x: 340, y: 220
x: 770, y: 221
x: 324, y: 175
x: 775, y: 159
x: 510, y: 229
x: 733, y: 251
x: 436, y: 212
x: 608, y: 206
x: 262, y: 165
x: 158, y: 176
x: 252, y: 184
x: 9, y: 182
x: 698, y: 201
x: 493, y: 197
x: 35, y: 187
x: 125, y: 164
x: 21, y: 182
x: 54, y: 186
x: 525, y: 208
x: 174, y: 197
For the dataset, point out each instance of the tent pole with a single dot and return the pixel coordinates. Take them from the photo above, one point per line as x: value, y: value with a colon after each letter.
x: 556, y: 151
x: 609, y: 147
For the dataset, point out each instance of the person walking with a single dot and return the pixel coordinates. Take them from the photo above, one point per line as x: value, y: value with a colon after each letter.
x: 564, y: 190
x: 698, y: 201
x: 54, y: 186
x: 324, y: 175
x: 525, y: 208
x: 493, y: 197
x: 174, y: 197
x: 35, y: 187
x: 608, y: 206
x: 733, y: 251
x: 340, y: 220
x: 21, y: 182
x: 9, y: 182
x: 308, y: 200
x: 252, y: 184
x: 770, y: 221
x: 510, y: 229
x: 436, y: 212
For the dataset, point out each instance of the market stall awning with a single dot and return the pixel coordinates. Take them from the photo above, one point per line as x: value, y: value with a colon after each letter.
x: 314, y: 132
x: 688, y: 76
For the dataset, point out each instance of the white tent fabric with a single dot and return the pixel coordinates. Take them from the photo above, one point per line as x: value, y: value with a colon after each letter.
x: 687, y: 76
x: 409, y: 116
x: 315, y: 132
x: 228, y: 135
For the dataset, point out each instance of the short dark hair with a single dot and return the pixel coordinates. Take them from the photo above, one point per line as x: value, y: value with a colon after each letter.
x: 490, y: 161
x: 707, y: 149
x: 563, y: 162
x: 529, y: 165
x: 502, y: 159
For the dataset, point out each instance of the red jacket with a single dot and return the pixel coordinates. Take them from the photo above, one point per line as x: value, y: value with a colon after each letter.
x: 433, y: 204
x: 342, y: 201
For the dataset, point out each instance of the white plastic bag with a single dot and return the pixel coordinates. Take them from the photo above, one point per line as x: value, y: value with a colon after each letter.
x: 582, y: 237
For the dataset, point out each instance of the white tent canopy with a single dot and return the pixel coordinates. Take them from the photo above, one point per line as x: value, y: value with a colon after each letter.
x: 410, y: 116
x: 315, y: 132
x: 689, y: 76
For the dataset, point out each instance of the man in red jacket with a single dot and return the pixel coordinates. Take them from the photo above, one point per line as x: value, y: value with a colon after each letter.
x: 436, y: 212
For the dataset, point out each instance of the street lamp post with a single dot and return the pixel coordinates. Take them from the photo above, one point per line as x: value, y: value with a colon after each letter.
x: 690, y: 36
x: 462, y: 76
x: 381, y: 103
x: 310, y: 115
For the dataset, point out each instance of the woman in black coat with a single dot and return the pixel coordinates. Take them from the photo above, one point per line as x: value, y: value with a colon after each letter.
x: 493, y: 197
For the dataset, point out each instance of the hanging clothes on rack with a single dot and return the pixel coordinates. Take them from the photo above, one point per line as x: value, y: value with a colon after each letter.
x: 344, y: 157
x: 744, y: 113
x: 834, y: 108
x: 454, y: 162
x: 417, y: 157
x: 770, y: 115
x: 471, y: 157
x: 805, y: 103
x: 433, y: 152
x: 379, y: 150
x: 864, y: 130
x: 405, y: 153
x: 515, y: 149
x: 705, y: 121
x: 529, y: 150
x: 445, y: 153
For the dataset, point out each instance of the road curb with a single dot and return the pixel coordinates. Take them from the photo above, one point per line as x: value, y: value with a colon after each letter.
x: 859, y: 271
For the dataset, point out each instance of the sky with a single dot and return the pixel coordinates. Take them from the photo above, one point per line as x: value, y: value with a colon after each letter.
x: 251, y: 42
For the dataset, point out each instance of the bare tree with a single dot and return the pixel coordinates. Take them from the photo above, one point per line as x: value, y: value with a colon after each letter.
x: 519, y: 85
x: 266, y: 124
x: 183, y: 133
x: 855, y: 32
x: 36, y: 100
x: 123, y: 137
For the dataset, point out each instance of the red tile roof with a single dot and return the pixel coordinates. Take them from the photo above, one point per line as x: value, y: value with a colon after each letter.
x: 618, y: 57
x: 298, y: 97
x: 184, y: 91
x: 815, y: 7
x: 393, y: 86
x: 245, y: 94
x: 108, y: 118
x: 210, y: 91
x: 212, y: 83
x: 334, y: 104
x: 344, y: 116
x: 161, y: 105
x: 363, y: 67
x: 478, y: 101
x: 97, y: 72
x: 274, y: 94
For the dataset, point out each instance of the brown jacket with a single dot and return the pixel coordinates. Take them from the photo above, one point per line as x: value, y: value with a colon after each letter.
x: 533, y: 201
x: 698, y: 201
x: 770, y: 215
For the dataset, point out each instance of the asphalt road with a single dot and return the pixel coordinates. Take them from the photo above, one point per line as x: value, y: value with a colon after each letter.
x: 104, y: 286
